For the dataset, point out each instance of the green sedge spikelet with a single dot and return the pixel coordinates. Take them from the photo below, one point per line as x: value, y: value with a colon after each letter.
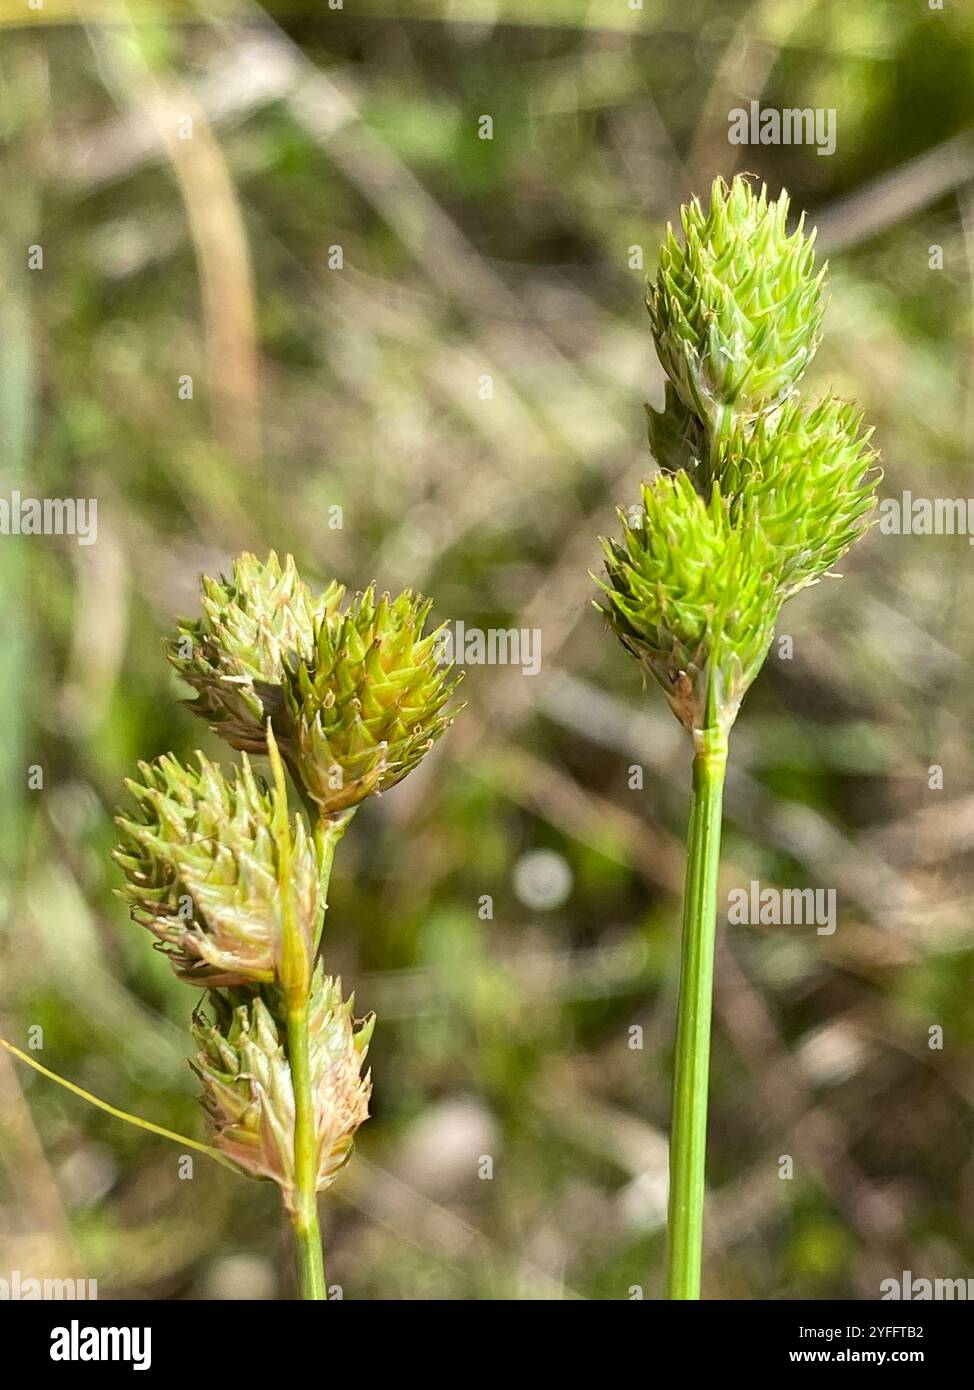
x: 759, y: 494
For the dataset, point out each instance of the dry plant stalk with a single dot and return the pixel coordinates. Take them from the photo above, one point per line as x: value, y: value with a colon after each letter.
x: 758, y: 494
x: 347, y: 699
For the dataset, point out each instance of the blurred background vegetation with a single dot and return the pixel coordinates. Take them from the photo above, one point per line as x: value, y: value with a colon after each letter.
x: 362, y: 387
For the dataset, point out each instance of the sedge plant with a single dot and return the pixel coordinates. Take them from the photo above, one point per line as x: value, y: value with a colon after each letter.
x: 759, y: 492
x: 343, y: 699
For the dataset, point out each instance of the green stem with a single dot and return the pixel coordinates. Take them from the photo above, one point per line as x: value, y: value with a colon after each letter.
x: 328, y: 832
x: 304, y: 1218
x: 688, y: 1136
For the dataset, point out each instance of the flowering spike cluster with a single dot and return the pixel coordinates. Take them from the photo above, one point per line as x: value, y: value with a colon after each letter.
x: 690, y: 593
x: 248, y: 1093
x: 759, y: 492
x: 367, y: 704
x: 806, y: 471
x: 355, y: 697
x: 233, y: 888
x: 205, y: 872
x: 736, y: 309
x: 235, y: 656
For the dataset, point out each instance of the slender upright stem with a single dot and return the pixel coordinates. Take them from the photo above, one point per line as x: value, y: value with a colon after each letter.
x: 328, y: 831
x: 304, y: 1219
x: 688, y: 1135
